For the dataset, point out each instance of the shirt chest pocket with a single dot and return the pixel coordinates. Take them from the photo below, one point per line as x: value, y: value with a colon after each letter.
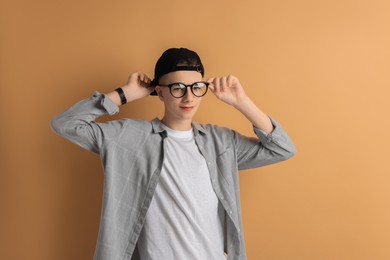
x: 226, y: 165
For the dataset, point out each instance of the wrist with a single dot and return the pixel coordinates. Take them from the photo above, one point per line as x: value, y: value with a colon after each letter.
x: 122, y: 95
x: 242, y: 102
x: 114, y: 97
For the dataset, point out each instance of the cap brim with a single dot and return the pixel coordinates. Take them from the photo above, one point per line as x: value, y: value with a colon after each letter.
x: 152, y: 84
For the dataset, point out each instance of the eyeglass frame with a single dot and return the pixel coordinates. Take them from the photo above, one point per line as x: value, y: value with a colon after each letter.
x: 185, y: 92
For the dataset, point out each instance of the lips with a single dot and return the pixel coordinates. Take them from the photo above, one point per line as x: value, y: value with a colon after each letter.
x: 187, y: 108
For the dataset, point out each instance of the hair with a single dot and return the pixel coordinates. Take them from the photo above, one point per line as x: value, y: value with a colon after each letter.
x: 188, y: 62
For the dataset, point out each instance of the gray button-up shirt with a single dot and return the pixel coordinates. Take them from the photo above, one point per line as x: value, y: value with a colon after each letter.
x: 132, y: 154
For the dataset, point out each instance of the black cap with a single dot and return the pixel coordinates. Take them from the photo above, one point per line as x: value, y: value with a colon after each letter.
x: 176, y: 59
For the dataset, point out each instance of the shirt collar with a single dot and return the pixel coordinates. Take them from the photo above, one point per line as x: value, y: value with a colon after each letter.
x: 158, y: 127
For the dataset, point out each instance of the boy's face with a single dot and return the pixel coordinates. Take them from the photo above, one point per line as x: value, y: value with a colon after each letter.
x: 179, y: 109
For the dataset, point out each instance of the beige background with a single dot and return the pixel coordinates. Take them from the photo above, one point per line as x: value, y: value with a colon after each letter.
x: 321, y: 68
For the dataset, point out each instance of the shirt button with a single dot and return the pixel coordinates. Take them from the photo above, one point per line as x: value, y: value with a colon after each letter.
x: 230, y: 212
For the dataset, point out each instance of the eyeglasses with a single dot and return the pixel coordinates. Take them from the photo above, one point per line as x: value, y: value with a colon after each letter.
x: 179, y: 90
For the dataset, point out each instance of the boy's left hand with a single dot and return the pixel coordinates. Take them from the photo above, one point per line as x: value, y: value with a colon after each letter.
x: 228, y: 89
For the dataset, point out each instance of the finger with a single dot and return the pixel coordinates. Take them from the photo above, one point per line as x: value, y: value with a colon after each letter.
x: 211, y: 87
x: 217, y: 84
x: 224, y: 83
x: 133, y: 78
x: 211, y: 80
x: 221, y: 84
x: 141, y: 76
x: 230, y: 79
x: 148, y: 80
x: 144, y: 79
x: 212, y: 83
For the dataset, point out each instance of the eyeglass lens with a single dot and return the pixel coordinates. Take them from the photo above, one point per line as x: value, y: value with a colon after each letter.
x: 178, y: 90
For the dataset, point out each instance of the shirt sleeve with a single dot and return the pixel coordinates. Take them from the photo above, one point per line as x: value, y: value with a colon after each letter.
x: 78, y: 124
x: 267, y: 148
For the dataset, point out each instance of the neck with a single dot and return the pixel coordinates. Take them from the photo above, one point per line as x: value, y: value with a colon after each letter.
x: 181, y: 125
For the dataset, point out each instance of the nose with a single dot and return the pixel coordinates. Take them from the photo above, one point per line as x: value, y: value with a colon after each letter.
x: 188, y: 96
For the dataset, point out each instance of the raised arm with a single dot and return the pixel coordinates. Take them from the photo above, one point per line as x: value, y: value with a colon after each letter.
x: 229, y: 90
x: 137, y: 87
x: 273, y: 144
x: 78, y: 124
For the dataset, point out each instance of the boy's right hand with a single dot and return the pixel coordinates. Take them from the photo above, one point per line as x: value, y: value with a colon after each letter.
x: 137, y: 86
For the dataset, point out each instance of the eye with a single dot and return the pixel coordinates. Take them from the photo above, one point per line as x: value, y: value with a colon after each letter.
x: 198, y: 86
x: 177, y: 87
x: 199, y: 89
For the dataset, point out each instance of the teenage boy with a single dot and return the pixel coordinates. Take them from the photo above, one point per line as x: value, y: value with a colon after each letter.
x: 171, y: 186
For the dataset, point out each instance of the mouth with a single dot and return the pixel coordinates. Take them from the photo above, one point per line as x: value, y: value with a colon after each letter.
x: 187, y: 108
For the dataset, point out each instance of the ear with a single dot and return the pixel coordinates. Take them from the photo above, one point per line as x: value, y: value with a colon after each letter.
x: 159, y: 93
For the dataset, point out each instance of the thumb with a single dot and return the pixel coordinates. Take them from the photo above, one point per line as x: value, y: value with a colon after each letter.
x: 210, y: 80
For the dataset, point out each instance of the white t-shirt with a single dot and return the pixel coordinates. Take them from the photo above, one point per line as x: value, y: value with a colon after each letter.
x: 185, y: 219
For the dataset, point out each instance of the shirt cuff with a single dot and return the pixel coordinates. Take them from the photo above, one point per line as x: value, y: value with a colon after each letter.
x: 276, y: 133
x: 106, y: 103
